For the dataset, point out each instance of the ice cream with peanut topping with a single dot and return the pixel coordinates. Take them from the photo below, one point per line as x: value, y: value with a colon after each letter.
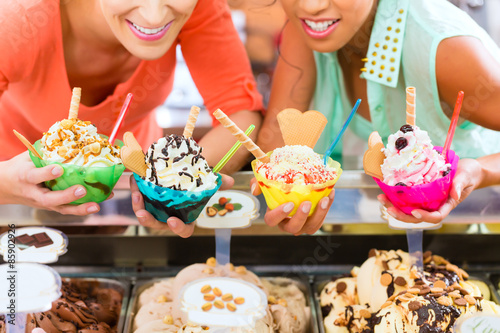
x: 73, y: 141
x: 158, y: 308
x: 386, y: 295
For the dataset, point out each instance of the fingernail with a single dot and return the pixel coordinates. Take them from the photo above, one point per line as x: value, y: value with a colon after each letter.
x: 92, y: 209
x: 458, y: 189
x: 306, y: 207
x: 80, y: 192
x: 252, y: 190
x: 57, y: 171
x: 324, y: 203
x: 135, y: 198
x: 390, y: 212
x: 332, y: 195
x: 416, y: 214
x: 173, y: 224
x: 288, y: 207
x: 382, y: 201
x: 140, y: 218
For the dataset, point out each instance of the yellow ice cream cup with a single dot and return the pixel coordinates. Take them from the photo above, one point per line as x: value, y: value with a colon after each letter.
x: 277, y: 193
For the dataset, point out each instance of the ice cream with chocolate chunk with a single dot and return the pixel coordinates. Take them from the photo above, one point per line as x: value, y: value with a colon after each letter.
x: 83, y: 307
x: 410, y: 158
x: 77, y: 142
x: 176, y: 162
x: 392, y: 297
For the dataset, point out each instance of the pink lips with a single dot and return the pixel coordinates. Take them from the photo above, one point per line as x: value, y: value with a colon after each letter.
x: 146, y: 37
x: 319, y: 34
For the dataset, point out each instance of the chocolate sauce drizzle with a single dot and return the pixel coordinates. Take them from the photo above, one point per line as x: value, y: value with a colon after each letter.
x: 175, y: 141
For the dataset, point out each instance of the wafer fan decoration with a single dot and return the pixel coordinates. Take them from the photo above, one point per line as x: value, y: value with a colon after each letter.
x: 374, y: 157
x: 301, y: 128
x: 132, y: 155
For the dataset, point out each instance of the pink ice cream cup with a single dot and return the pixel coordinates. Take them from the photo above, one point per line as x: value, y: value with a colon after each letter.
x: 429, y: 196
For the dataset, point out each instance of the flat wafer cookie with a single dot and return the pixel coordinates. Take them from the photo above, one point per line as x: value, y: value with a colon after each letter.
x: 132, y: 155
x: 301, y: 128
x: 374, y: 157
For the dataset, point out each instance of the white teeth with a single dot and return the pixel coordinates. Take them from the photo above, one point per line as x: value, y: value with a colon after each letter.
x: 148, y: 31
x: 319, y: 26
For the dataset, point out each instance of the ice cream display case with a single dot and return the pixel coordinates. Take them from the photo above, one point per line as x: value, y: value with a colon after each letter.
x: 113, y: 248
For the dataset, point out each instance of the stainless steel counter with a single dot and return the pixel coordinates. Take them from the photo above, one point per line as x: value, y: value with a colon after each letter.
x: 113, y: 240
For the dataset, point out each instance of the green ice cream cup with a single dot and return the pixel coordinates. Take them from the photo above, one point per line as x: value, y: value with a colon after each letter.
x: 98, y: 181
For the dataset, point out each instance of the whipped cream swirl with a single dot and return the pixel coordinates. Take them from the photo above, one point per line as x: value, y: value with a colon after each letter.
x: 77, y: 142
x: 176, y: 162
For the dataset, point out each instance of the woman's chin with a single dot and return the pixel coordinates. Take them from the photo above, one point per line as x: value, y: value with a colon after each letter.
x: 148, y: 52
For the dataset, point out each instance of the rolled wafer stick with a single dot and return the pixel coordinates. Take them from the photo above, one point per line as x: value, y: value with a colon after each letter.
x: 241, y: 136
x: 193, y: 115
x: 410, y: 105
x: 75, y: 103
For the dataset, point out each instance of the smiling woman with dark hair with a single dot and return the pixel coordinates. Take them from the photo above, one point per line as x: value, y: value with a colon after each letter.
x: 336, y: 51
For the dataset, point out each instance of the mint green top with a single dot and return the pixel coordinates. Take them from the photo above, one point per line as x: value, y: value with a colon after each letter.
x: 402, y: 53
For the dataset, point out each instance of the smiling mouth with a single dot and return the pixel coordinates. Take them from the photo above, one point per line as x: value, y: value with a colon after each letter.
x: 149, y: 31
x: 320, y: 26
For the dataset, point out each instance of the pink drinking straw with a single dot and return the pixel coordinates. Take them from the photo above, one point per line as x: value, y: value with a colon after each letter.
x: 453, y: 124
x: 119, y: 121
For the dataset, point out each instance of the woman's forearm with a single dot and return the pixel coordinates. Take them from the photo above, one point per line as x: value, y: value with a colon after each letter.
x: 490, y: 170
x: 217, y: 142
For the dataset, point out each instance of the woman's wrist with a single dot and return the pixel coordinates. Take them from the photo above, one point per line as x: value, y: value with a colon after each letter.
x: 4, y: 174
x: 489, y: 170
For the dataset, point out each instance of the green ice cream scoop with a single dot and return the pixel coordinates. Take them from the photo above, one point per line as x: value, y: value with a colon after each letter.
x: 98, y: 181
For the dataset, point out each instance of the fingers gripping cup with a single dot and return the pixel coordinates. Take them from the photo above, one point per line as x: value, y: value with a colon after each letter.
x: 177, y: 180
x: 98, y: 175
x: 428, y: 196
x: 284, y: 180
x: 409, y: 170
x: 87, y: 158
x: 294, y: 173
x: 163, y: 202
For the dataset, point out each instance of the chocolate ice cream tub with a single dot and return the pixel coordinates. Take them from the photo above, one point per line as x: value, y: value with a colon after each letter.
x: 122, y: 286
x: 319, y: 282
x: 302, y: 282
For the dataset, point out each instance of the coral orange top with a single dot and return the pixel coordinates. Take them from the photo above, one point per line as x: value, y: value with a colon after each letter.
x: 36, y: 92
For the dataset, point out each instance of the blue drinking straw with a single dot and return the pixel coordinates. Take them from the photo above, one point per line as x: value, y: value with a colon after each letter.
x: 337, y: 139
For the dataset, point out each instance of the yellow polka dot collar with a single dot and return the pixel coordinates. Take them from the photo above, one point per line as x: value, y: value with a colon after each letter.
x: 383, y: 60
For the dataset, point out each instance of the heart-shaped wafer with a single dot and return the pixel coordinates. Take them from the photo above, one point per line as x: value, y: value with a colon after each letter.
x: 374, y: 157
x: 132, y: 155
x: 301, y: 128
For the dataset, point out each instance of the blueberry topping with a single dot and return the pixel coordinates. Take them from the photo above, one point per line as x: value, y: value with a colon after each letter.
x: 447, y: 171
x: 406, y: 128
x: 401, y: 143
x: 401, y: 184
